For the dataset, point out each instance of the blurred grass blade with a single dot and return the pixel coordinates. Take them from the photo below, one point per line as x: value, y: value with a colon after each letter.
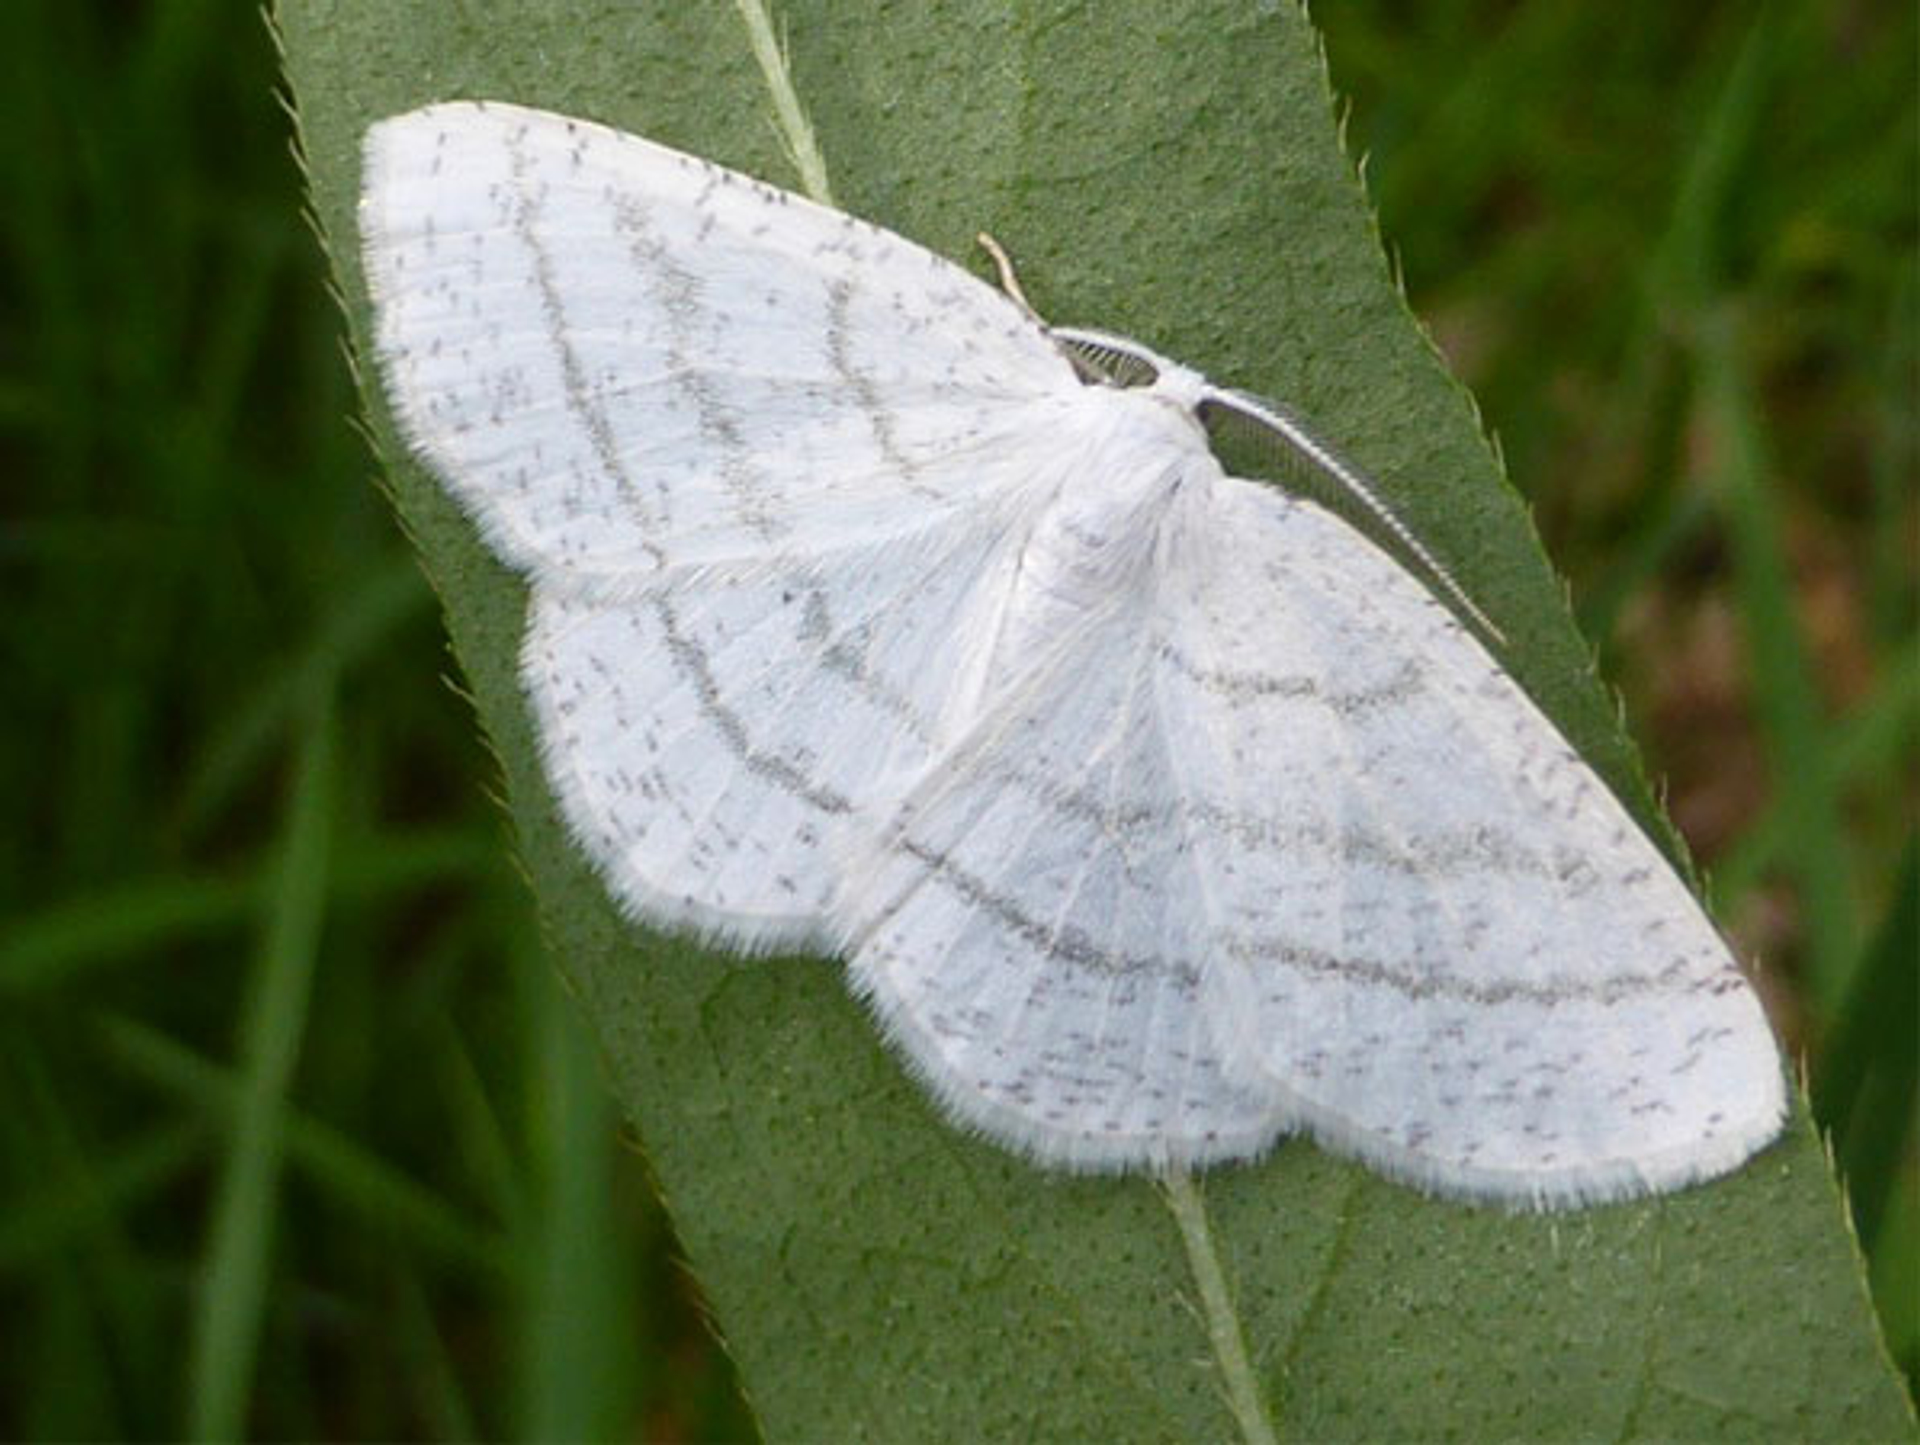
x: 45, y: 948
x: 1896, y: 462
x: 1689, y: 276
x: 339, y: 1168
x: 1676, y: 519
x: 1896, y: 1268
x: 54, y: 946
x: 1682, y: 277
x: 479, y: 1135
x: 1687, y: 269
x: 49, y: 1138
x: 364, y: 614
x: 1816, y: 853
x: 1867, y: 1090
x: 37, y: 1224
x: 1875, y: 742
x: 441, y: 1398
x: 577, y: 1342
x: 230, y: 1308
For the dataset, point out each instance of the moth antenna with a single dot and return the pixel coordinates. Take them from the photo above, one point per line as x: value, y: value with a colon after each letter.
x: 1299, y: 445
x: 1009, y: 282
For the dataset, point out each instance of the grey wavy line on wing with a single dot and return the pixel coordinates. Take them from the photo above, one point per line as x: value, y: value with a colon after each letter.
x: 573, y: 378
x: 1435, y: 855
x: 866, y: 391
x: 1063, y: 944
x: 676, y: 291
x: 1072, y: 946
x: 691, y: 658
x: 1424, y: 984
x: 696, y: 666
x: 1408, y: 681
x: 849, y: 663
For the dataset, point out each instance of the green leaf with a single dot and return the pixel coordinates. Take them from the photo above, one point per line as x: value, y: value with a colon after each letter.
x: 1170, y: 171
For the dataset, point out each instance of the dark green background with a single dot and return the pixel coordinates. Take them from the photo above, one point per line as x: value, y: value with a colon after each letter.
x: 1672, y: 255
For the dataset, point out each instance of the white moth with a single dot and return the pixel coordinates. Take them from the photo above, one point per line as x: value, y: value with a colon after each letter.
x: 1156, y: 813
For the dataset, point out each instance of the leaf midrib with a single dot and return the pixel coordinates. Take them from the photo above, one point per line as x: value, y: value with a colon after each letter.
x: 1225, y: 1330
